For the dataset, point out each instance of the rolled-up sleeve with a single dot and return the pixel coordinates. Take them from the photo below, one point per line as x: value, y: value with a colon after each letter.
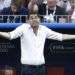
x: 16, y: 33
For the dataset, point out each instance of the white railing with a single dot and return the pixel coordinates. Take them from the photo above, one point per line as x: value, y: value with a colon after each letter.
x: 23, y: 18
x: 12, y: 18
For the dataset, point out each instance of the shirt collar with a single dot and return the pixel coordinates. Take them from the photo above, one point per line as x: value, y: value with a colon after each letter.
x: 53, y: 8
x: 31, y: 27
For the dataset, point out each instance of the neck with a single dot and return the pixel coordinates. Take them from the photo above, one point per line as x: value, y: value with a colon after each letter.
x: 35, y: 29
x: 53, y: 8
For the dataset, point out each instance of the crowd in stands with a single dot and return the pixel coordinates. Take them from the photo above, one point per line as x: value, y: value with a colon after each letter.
x: 16, y: 11
x: 4, y: 4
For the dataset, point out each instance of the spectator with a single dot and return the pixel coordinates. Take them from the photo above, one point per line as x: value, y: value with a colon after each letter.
x: 4, y: 3
x: 64, y: 4
x: 24, y: 3
x: 13, y: 10
x: 45, y: 1
x: 1, y: 4
x: 51, y: 9
x: 39, y: 2
x: 36, y: 2
x: 7, y: 3
x: 73, y: 17
x: 32, y: 6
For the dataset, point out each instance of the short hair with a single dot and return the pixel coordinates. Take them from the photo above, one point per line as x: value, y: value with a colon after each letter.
x: 31, y: 14
x: 14, y: 3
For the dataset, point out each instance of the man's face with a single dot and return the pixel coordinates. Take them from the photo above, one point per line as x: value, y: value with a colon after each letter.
x: 51, y: 3
x: 34, y: 20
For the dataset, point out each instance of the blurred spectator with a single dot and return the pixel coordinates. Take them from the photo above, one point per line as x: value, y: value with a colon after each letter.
x: 32, y: 6
x: 73, y: 17
x: 64, y: 4
x: 7, y: 3
x: 1, y: 4
x: 51, y: 10
x: 39, y: 2
x: 31, y: 3
x: 14, y: 10
x: 23, y: 3
x: 45, y: 1
x: 4, y: 3
x: 36, y: 2
x: 72, y: 9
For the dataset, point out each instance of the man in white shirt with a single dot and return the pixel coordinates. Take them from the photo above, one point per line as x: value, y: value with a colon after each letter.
x: 32, y: 36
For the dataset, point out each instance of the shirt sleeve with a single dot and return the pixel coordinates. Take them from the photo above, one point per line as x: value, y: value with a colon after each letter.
x: 16, y: 33
x: 53, y: 35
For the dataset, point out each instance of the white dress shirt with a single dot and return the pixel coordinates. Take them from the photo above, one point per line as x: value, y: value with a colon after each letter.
x: 32, y: 46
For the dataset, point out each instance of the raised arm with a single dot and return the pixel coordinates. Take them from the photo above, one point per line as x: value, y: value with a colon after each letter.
x: 58, y: 36
x: 13, y: 34
x: 5, y: 35
x: 67, y: 37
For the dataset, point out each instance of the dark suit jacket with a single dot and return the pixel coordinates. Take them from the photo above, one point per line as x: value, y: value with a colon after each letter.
x: 8, y: 11
x: 59, y: 11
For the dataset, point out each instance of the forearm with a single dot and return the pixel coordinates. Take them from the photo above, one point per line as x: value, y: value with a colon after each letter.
x: 68, y: 37
x: 5, y: 35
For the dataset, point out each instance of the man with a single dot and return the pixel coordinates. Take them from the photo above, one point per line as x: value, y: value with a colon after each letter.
x: 33, y: 37
x: 51, y: 8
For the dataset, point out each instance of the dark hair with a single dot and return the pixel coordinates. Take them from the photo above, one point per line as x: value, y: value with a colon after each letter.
x: 14, y: 3
x: 31, y: 12
x: 29, y: 15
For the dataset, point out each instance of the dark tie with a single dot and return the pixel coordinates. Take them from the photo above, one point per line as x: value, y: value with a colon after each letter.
x: 50, y: 11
